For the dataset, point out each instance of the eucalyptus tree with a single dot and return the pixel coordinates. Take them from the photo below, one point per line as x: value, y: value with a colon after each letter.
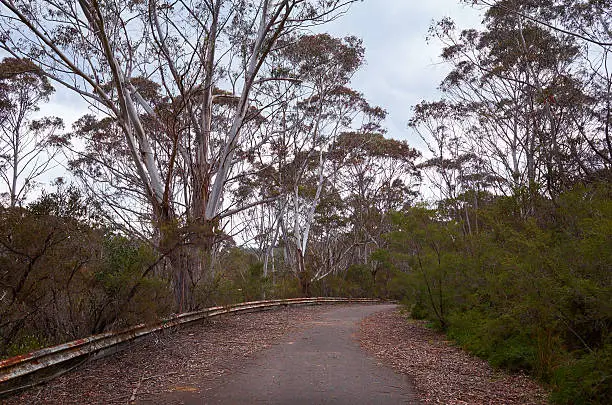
x: 513, y: 90
x: 28, y: 144
x: 309, y: 118
x: 585, y: 20
x: 590, y: 22
x: 312, y: 172
x: 459, y: 170
x: 174, y: 156
x: 580, y: 92
x: 378, y: 176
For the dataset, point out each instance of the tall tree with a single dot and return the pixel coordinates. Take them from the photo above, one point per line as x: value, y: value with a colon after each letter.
x: 514, y: 92
x: 309, y: 120
x: 28, y: 144
x: 379, y: 176
x: 580, y: 93
x: 178, y: 150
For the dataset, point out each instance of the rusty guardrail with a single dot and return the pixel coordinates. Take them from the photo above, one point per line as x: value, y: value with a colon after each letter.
x: 20, y: 372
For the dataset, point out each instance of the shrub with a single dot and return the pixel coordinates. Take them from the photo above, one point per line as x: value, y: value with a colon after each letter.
x: 587, y: 380
x: 525, y: 292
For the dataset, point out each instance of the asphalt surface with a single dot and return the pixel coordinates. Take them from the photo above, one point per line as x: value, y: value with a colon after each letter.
x: 321, y: 364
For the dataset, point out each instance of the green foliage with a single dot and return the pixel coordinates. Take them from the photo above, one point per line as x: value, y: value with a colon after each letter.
x: 423, y: 248
x: 497, y: 339
x: 359, y: 281
x: 123, y: 261
x: 25, y: 343
x: 62, y: 278
x: 131, y: 296
x: 221, y: 290
x: 587, y: 380
x: 242, y: 278
x: 254, y: 283
x: 287, y: 286
x: 530, y: 293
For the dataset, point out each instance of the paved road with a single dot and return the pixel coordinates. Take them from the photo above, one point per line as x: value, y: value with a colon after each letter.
x: 321, y: 364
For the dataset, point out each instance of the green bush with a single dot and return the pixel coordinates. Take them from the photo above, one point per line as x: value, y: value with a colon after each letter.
x: 526, y: 292
x: 68, y: 277
x: 254, y: 285
x: 286, y: 286
x: 587, y: 380
x: 25, y: 343
x: 359, y: 281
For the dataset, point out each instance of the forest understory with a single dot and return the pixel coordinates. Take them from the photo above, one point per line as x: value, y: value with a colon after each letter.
x: 226, y: 156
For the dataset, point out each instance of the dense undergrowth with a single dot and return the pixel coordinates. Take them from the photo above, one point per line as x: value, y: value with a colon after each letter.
x: 64, y: 275
x: 526, y: 292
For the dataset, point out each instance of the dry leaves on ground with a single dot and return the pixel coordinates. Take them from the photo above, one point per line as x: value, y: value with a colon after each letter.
x: 441, y: 372
x: 191, y: 359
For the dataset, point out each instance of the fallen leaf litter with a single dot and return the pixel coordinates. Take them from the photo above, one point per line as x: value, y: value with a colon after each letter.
x: 441, y: 372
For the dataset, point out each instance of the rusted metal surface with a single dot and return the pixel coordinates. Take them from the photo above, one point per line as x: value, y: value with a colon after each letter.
x: 36, y: 367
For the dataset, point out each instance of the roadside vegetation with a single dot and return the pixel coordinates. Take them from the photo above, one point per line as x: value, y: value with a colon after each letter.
x: 514, y: 260
x: 228, y: 159
x: 527, y: 294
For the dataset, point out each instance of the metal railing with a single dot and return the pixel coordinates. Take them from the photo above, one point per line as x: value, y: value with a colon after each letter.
x: 20, y: 372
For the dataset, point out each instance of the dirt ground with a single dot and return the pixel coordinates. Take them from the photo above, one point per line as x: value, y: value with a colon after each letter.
x: 441, y: 372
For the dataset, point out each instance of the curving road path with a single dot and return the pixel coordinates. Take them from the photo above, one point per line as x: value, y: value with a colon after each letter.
x: 321, y: 364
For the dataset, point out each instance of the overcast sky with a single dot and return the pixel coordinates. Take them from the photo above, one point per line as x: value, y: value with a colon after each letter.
x: 401, y: 68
